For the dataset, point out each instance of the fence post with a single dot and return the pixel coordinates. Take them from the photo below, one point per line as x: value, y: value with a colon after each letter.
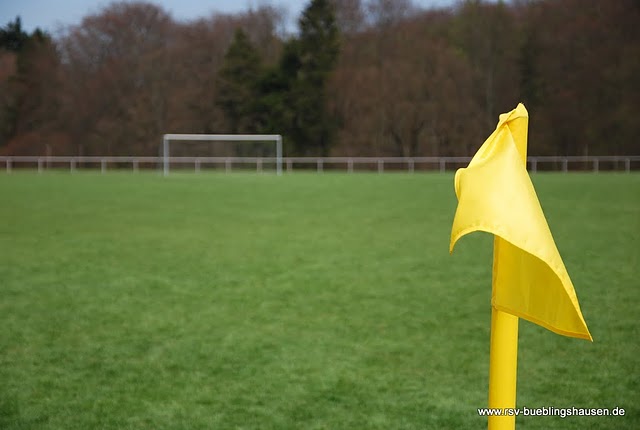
x: 595, y: 165
x: 350, y: 165
x: 196, y: 165
x: 442, y: 165
x: 534, y: 165
x: 380, y: 166
x: 565, y: 165
x: 72, y: 165
x: 135, y: 165
x: 627, y: 165
x: 8, y: 165
x: 227, y: 165
x: 410, y: 165
x: 289, y: 166
x: 320, y: 166
x: 259, y: 165
x: 103, y: 166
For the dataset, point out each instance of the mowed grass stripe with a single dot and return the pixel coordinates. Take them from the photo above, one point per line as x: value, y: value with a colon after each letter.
x: 329, y: 301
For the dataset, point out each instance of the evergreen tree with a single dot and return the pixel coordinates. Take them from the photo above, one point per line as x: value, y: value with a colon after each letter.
x: 238, y: 79
x: 319, y: 42
x: 318, y: 51
x: 12, y: 37
x: 305, y: 67
x: 22, y: 102
x: 275, y: 107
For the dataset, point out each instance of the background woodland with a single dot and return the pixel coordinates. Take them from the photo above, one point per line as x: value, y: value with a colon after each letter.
x: 355, y: 78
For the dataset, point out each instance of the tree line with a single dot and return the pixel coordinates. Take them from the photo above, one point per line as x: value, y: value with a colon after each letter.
x: 357, y: 78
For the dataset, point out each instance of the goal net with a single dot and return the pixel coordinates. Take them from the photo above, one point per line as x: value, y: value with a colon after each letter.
x: 274, y: 139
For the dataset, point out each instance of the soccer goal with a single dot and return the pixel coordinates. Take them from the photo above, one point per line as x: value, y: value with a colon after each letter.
x: 168, y: 138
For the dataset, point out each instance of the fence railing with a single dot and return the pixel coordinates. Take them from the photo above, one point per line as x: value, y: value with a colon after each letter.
x: 318, y: 164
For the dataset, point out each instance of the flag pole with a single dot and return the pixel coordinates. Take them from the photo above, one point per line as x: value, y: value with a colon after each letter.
x: 503, y: 364
x: 503, y: 349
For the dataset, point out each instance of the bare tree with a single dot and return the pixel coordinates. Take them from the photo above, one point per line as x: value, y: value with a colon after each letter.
x: 385, y: 13
x: 119, y: 57
x: 408, y: 100
x: 350, y: 16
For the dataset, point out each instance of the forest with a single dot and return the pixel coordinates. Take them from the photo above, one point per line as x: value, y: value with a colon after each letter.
x: 355, y: 78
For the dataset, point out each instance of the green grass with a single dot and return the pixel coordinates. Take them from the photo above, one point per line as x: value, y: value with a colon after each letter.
x: 303, y: 302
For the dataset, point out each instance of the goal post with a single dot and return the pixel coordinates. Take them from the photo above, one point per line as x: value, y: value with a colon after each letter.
x: 167, y: 138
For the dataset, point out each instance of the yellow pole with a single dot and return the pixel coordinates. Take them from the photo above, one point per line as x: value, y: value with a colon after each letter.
x: 503, y: 352
x: 503, y: 364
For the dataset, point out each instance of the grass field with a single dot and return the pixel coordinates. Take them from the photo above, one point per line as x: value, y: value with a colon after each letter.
x: 305, y: 301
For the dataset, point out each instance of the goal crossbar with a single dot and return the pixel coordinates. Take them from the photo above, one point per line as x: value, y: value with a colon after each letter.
x: 222, y: 138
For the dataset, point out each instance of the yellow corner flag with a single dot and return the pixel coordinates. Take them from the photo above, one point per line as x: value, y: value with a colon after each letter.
x: 495, y: 195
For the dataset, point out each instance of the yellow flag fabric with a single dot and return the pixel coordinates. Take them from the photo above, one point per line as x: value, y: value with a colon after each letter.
x: 495, y: 195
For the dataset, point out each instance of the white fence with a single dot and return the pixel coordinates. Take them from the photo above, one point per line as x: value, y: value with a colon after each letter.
x: 318, y: 164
